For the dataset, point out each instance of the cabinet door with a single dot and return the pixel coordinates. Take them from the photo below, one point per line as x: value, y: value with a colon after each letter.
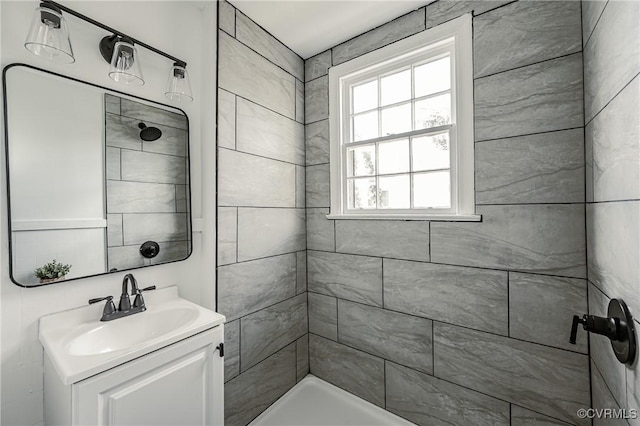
x: 178, y: 385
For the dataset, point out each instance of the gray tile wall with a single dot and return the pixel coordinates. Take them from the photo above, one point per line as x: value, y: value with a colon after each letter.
x: 466, y: 323
x: 146, y: 184
x: 261, y: 261
x: 612, y: 137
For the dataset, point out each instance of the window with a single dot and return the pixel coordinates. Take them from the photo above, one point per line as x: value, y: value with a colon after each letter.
x: 401, y: 120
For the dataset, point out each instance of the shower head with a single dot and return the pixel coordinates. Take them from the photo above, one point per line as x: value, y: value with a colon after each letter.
x: 149, y: 134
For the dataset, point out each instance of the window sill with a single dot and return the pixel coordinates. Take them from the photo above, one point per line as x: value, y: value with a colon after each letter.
x: 429, y: 217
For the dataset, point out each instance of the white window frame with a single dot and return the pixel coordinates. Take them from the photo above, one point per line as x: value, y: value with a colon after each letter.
x: 454, y: 37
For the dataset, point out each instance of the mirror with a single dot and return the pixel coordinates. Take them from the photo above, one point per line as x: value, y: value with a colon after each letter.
x: 97, y: 180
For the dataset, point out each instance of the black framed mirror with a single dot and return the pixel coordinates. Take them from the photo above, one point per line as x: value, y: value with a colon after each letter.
x: 97, y: 180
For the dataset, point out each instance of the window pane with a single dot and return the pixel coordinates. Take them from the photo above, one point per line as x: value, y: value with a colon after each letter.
x: 431, y: 152
x: 396, y: 120
x: 365, y: 126
x: 362, y: 193
x: 433, y: 112
x: 433, y: 77
x: 432, y: 190
x: 361, y: 161
x: 365, y: 96
x: 395, y: 88
x: 393, y: 157
x: 394, y: 192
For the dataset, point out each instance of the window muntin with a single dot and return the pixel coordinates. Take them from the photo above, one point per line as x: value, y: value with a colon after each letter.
x: 395, y: 129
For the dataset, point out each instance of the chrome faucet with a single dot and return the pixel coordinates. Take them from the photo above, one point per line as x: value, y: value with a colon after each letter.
x: 124, y: 307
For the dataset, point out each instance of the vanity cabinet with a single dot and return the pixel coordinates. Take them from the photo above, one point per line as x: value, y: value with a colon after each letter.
x: 180, y: 384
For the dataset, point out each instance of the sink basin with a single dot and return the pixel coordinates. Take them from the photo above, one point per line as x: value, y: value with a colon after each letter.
x: 129, y: 331
x: 79, y: 345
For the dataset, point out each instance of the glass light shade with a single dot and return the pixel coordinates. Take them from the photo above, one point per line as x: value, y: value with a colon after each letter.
x: 49, y: 36
x: 125, y: 65
x: 179, y: 86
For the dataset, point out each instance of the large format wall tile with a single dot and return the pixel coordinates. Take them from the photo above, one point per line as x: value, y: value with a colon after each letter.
x: 268, y: 134
x: 114, y: 230
x: 247, y: 180
x: 226, y: 117
x: 633, y: 386
x: 113, y: 163
x: 355, y: 371
x: 122, y: 132
x: 301, y: 187
x: 471, y: 297
x: 612, y: 371
x: 251, y: 34
x: 542, y: 168
x: 614, y: 138
x: 153, y: 114
x: 323, y: 316
x: 320, y: 230
x: 442, y: 11
x: 316, y: 100
x: 253, y: 391
x: 523, y: 33
x: 537, y: 98
x: 231, y: 349
x: 603, y: 399
x: 384, y: 238
x: 317, y: 142
x: 614, y: 248
x: 591, y: 12
x: 542, y: 307
x: 112, y: 104
x: 172, y: 142
x: 125, y: 257
x: 612, y: 56
x: 227, y: 18
x: 247, y: 74
x: 227, y: 235
x: 149, y: 167
x: 317, y: 65
x: 537, y: 238
x: 302, y: 357
x: 523, y: 417
x: 266, y: 331
x: 317, y: 183
x: 548, y: 380
x: 404, y: 339
x: 301, y: 272
x: 139, y: 197
x: 388, y: 33
x: 299, y: 101
x: 171, y: 251
x: 428, y: 401
x: 250, y: 286
x: 160, y: 227
x: 266, y: 232
x: 356, y: 278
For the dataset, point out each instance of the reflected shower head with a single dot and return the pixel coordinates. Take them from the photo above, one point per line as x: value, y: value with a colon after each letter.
x: 149, y: 134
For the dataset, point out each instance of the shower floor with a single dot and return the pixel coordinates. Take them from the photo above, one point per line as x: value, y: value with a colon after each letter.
x: 314, y: 402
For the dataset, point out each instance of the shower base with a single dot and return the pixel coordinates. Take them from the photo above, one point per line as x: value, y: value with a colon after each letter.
x: 314, y: 402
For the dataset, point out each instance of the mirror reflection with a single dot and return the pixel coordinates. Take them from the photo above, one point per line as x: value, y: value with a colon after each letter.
x: 98, y: 181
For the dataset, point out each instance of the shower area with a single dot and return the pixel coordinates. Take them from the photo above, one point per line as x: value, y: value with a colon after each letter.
x: 437, y: 322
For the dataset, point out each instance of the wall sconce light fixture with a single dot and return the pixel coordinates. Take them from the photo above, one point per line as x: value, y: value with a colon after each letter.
x: 49, y: 37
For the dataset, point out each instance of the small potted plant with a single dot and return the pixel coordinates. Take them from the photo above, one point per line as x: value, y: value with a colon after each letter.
x: 52, y: 271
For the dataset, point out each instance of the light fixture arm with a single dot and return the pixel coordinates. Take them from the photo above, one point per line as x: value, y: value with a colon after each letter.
x: 113, y: 31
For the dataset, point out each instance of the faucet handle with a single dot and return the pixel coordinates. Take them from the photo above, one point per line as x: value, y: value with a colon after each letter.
x: 109, y: 307
x: 100, y: 299
x: 139, y: 300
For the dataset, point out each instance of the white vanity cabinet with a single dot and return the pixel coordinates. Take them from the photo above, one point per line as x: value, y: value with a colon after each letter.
x: 175, y: 385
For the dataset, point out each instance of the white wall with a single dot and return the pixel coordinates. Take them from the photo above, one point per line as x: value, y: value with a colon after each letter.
x: 179, y: 28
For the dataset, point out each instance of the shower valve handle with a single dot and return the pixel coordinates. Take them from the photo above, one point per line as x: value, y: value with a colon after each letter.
x: 609, y: 327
